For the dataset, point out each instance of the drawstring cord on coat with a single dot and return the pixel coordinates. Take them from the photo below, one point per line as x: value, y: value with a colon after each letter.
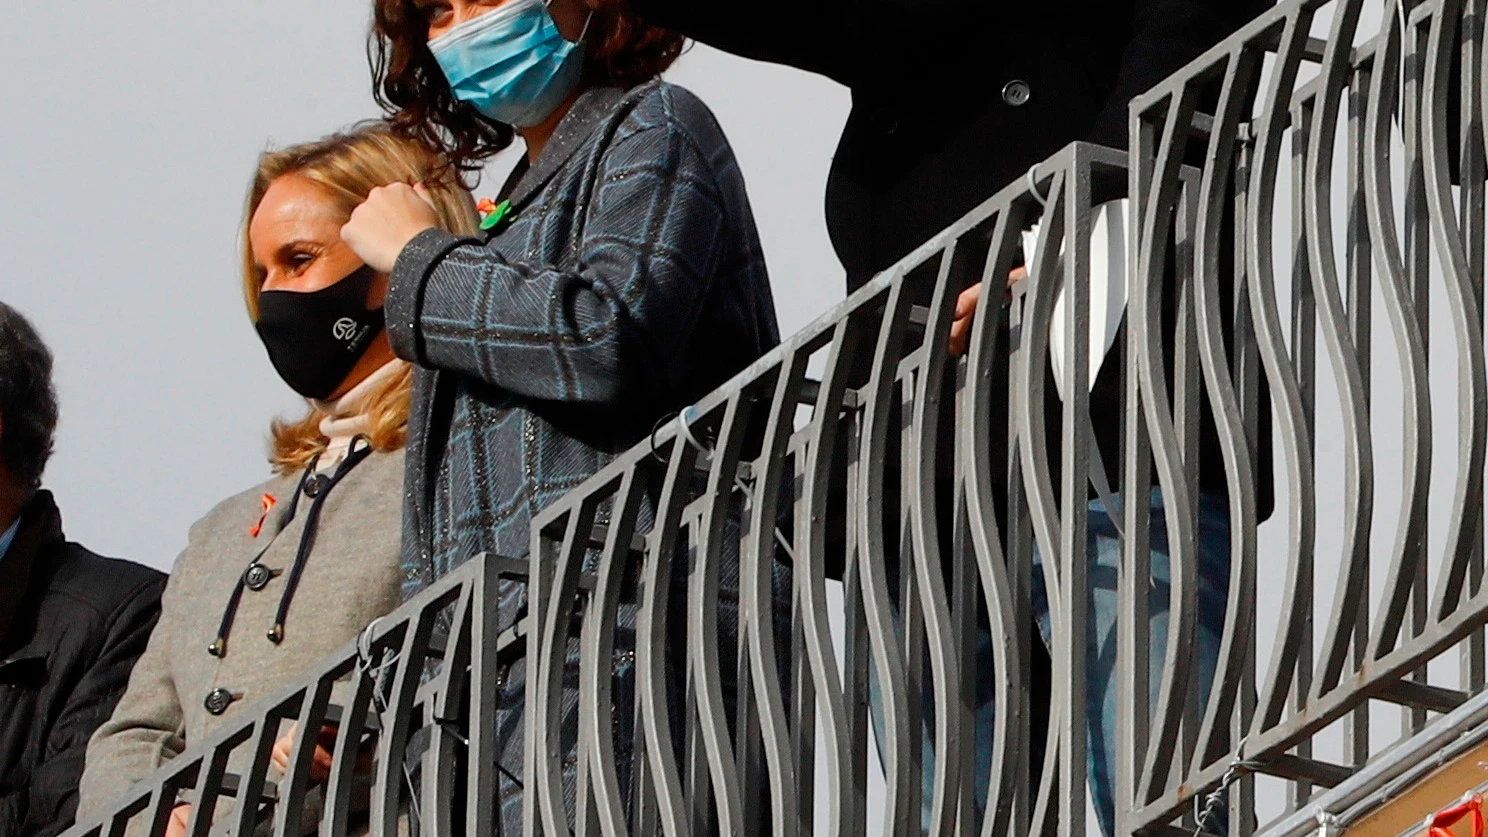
x: 354, y: 456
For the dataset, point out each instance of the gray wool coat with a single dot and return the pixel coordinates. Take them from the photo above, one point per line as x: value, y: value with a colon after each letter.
x: 350, y: 578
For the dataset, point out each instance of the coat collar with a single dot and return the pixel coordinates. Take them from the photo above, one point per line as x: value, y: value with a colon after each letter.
x: 587, y: 113
x: 21, y: 571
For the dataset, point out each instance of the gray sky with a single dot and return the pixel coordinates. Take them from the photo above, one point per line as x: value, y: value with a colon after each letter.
x: 131, y: 137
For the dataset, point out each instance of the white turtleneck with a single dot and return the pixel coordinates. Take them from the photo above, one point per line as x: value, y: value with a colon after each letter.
x: 348, y: 415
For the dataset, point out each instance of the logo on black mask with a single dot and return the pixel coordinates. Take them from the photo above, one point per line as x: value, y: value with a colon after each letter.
x: 315, y: 339
x: 345, y: 330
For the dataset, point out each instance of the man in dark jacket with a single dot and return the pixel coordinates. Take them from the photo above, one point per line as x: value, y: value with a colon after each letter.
x: 954, y: 99
x: 71, y: 623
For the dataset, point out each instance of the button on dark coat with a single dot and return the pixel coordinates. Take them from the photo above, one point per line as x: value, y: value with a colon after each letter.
x: 72, y: 625
x: 954, y: 99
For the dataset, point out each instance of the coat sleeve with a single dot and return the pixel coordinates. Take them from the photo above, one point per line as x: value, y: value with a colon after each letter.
x: 54, y: 783
x: 1165, y: 36
x: 147, y: 727
x: 602, y: 334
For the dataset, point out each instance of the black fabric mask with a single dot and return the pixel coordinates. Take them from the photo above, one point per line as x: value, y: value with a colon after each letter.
x: 316, y: 338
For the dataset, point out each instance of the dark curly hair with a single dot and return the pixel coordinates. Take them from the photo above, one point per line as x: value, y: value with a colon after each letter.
x: 623, y: 51
x: 28, y: 401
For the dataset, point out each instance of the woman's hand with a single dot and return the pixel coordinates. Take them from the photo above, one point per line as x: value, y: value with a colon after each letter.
x: 966, y: 306
x: 320, y: 760
x: 180, y: 818
x: 387, y: 220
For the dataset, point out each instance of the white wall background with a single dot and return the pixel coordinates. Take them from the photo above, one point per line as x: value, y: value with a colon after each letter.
x: 131, y: 130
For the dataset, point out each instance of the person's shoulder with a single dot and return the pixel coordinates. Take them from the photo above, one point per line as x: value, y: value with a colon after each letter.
x: 377, y: 480
x: 388, y: 459
x: 665, y: 100
x: 663, y: 105
x: 251, y: 500
x: 236, y: 513
x: 99, y: 585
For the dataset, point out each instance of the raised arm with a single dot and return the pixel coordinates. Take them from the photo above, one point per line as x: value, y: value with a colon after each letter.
x: 609, y: 331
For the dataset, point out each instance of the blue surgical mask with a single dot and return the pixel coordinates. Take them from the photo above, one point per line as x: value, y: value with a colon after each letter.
x: 512, y: 64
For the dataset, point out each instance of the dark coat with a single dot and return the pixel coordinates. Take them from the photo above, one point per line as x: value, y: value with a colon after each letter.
x: 72, y: 625
x: 954, y: 99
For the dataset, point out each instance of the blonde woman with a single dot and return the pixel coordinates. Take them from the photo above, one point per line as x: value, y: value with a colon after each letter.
x: 257, y: 597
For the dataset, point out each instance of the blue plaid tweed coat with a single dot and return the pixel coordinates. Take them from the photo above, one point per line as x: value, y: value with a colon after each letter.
x: 629, y: 284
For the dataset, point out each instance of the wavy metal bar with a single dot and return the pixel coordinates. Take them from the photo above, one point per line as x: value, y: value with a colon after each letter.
x: 652, y: 677
x: 336, y: 818
x: 975, y: 427
x: 703, y: 617
x: 548, y: 669
x: 1361, y: 327
x: 1285, y: 387
x: 597, y: 649
x: 1467, y: 316
x: 295, y: 785
x: 930, y: 379
x: 1230, y: 678
x: 1030, y: 368
x: 1418, y: 273
x: 392, y: 739
x: 209, y: 783
x: 1028, y: 394
x: 1473, y: 173
x: 878, y: 610
x: 810, y: 560
x: 1071, y: 655
x: 1358, y: 450
x: 441, y: 759
x: 756, y: 604
x: 251, y: 785
x: 1410, y: 344
x: 1159, y: 200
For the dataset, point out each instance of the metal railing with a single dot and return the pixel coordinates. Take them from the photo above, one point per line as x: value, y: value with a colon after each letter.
x: 693, y: 665
x: 880, y: 473
x: 1378, y: 147
x: 411, y: 703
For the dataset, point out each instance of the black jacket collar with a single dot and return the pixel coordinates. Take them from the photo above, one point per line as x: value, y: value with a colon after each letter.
x: 22, y: 568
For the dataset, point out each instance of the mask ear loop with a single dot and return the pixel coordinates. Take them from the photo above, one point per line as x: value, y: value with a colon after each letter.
x: 583, y: 33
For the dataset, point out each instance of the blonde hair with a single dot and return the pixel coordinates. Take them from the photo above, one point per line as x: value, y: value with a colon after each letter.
x: 348, y: 165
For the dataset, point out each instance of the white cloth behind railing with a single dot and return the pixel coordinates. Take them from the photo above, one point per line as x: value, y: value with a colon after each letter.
x: 1108, y: 293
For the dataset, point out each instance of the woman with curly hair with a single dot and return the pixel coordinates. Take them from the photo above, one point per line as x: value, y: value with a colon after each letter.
x: 620, y: 277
